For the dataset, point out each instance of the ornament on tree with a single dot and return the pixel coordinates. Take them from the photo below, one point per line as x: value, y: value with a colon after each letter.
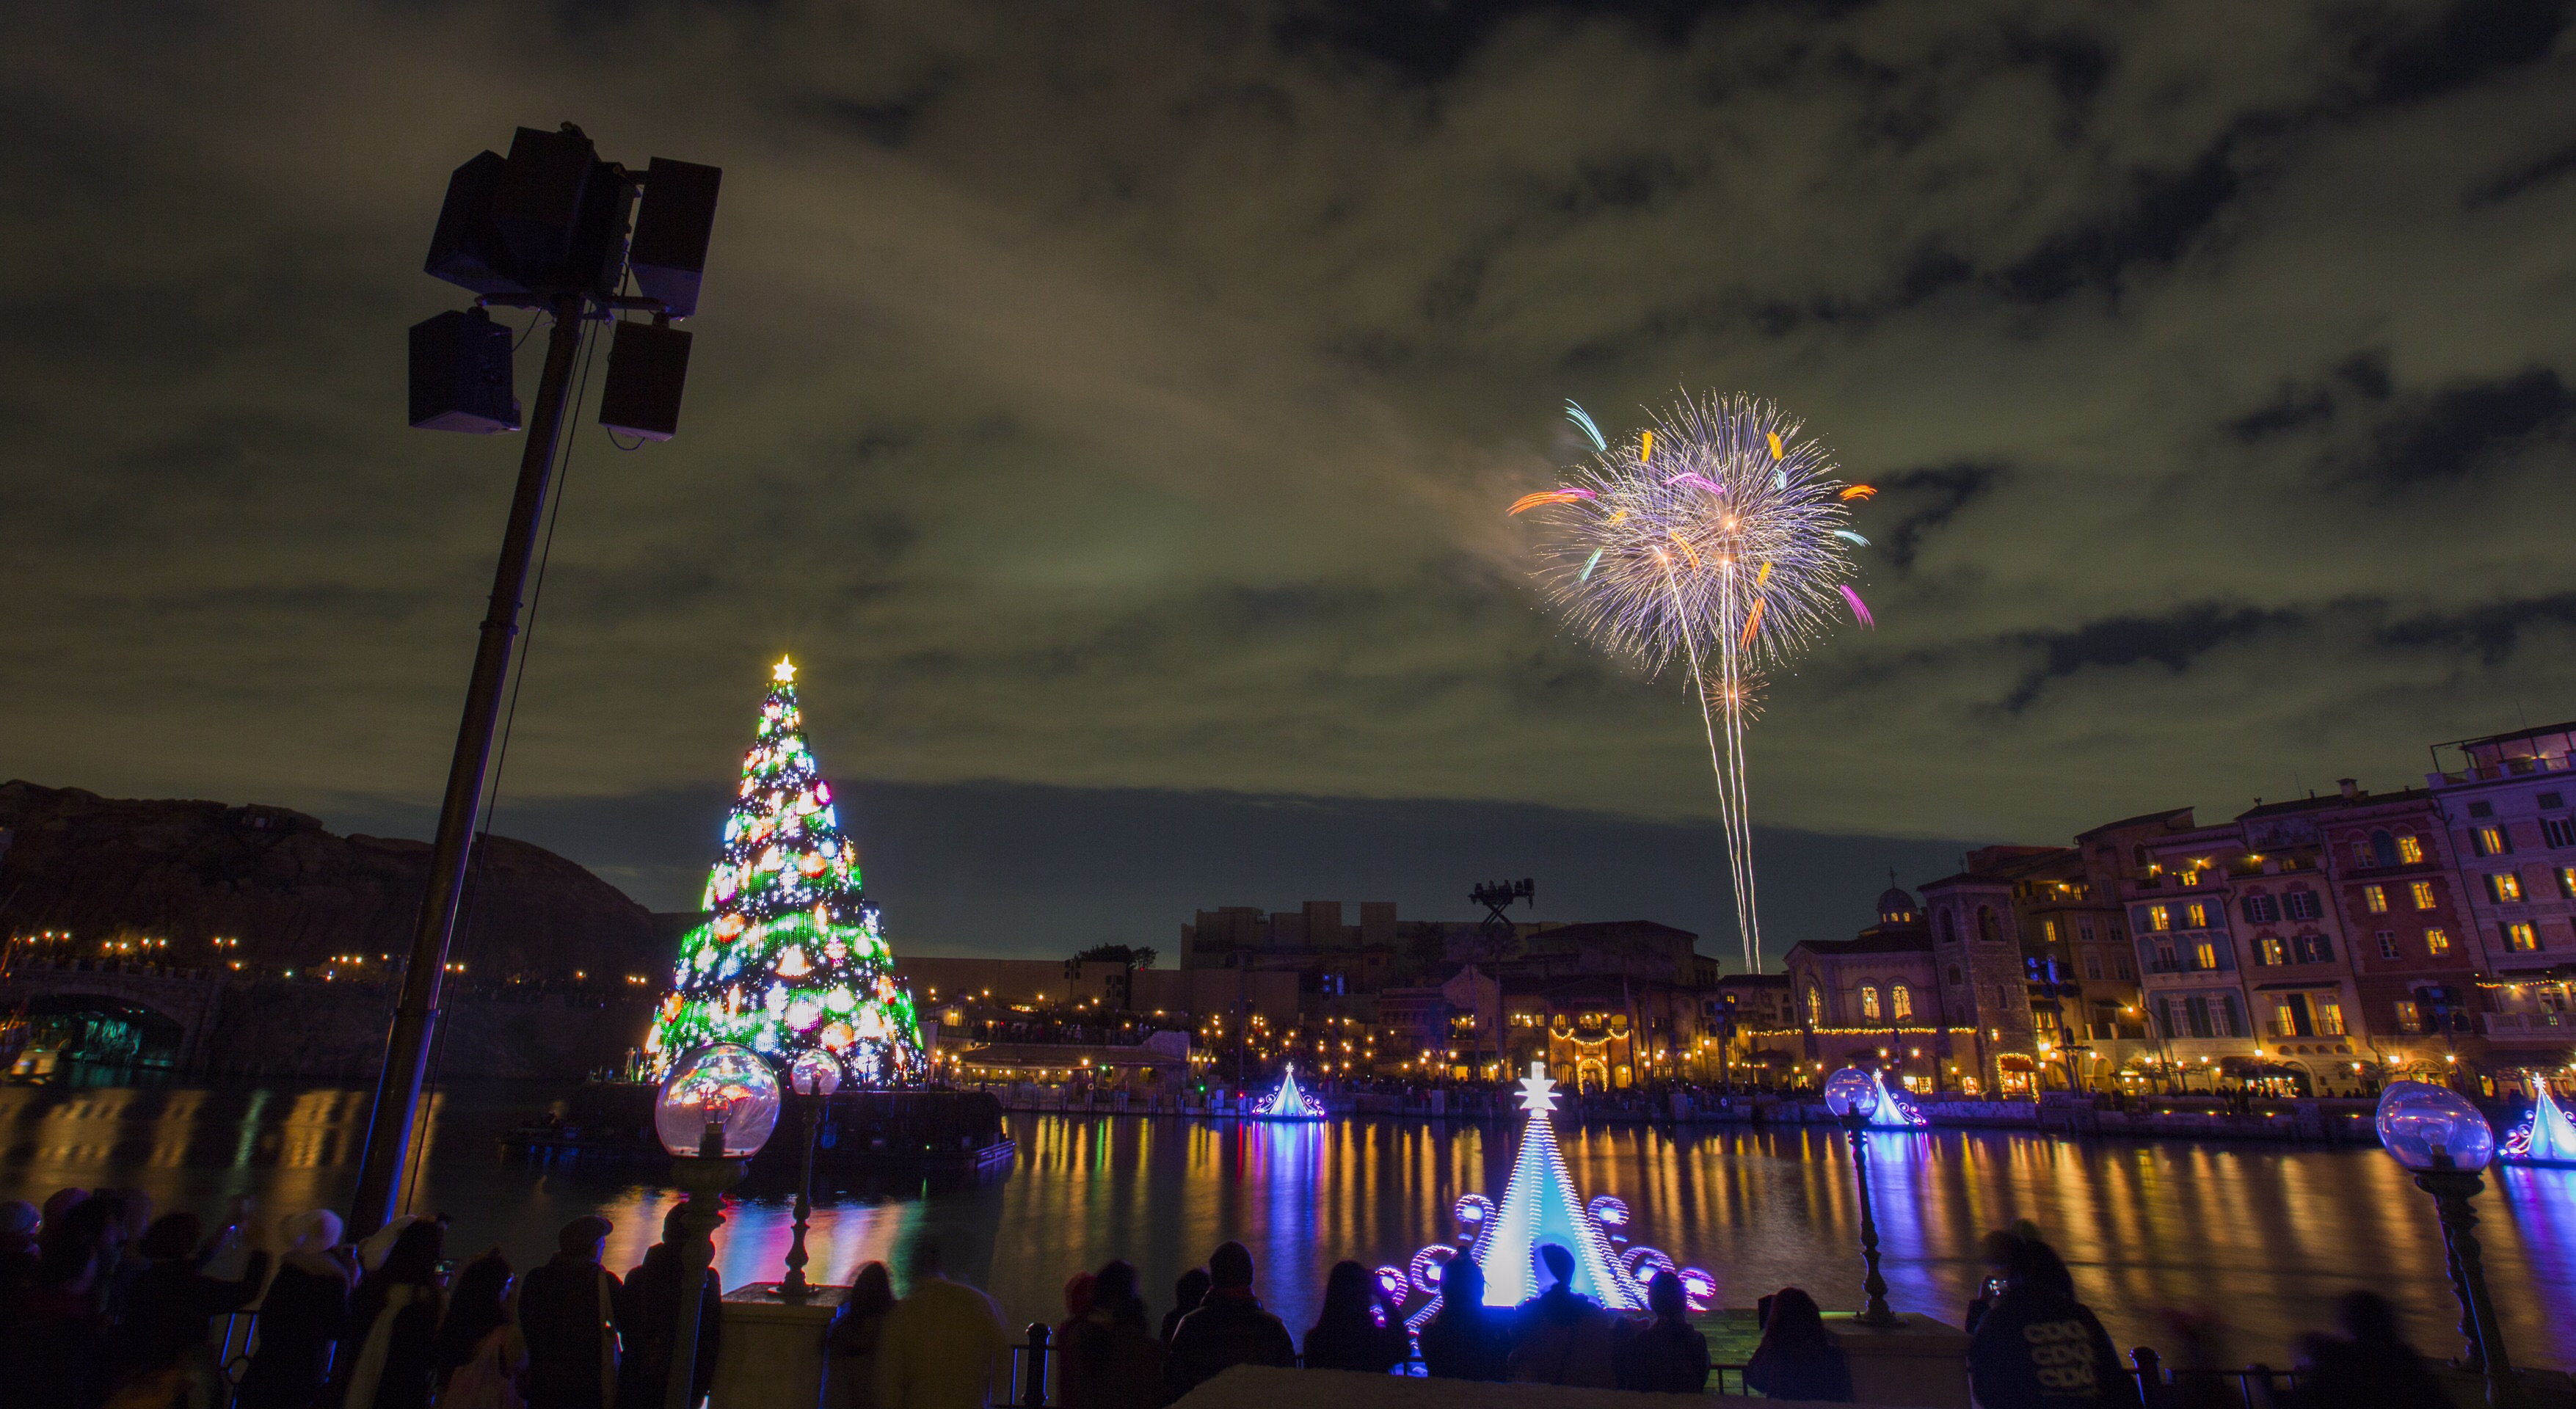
x: 794, y: 959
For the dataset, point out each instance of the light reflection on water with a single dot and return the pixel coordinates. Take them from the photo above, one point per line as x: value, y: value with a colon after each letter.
x: 2266, y: 1236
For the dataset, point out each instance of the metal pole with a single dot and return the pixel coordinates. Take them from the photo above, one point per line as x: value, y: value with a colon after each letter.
x: 1877, y: 1312
x: 2451, y: 1191
x: 706, y: 1178
x: 794, y: 1288
x: 391, y: 1126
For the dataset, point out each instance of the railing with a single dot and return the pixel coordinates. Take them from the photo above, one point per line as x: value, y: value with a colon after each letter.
x: 2544, y: 1022
x: 2314, y: 1030
x: 1036, y: 1366
x: 2254, y: 1387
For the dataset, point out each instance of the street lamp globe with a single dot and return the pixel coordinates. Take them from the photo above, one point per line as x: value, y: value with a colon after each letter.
x: 723, y: 1094
x: 814, y: 1074
x: 1850, y: 1092
x: 2428, y: 1127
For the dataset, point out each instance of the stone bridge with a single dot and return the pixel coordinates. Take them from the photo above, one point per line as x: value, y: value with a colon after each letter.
x: 190, y: 998
x: 235, y: 1026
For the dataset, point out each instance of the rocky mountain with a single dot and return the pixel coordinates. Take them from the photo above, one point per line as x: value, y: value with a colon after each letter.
x: 293, y: 894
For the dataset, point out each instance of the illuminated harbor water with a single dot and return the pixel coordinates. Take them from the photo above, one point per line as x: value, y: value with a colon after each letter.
x: 2266, y: 1236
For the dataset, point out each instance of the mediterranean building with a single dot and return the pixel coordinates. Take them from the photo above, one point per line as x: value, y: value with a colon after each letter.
x: 2512, y: 833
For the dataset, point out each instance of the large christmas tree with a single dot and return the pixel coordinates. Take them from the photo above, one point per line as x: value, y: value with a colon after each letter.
x: 794, y: 958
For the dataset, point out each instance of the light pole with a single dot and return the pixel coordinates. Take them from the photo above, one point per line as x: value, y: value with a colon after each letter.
x: 815, y: 1077
x: 2435, y: 1133
x: 544, y: 228
x: 1852, y: 1095
x: 713, y: 1114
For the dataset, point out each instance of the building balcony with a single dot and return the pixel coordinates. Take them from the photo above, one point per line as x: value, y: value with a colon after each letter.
x: 2290, y: 1031
x: 2184, y: 966
x: 2509, y: 768
x: 2544, y: 1024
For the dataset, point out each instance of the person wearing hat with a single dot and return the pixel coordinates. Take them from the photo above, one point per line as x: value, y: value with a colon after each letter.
x: 304, y: 1314
x: 567, y: 1313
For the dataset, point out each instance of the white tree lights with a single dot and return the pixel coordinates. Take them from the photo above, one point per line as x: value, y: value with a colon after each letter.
x: 1290, y: 1101
x: 1539, y: 1206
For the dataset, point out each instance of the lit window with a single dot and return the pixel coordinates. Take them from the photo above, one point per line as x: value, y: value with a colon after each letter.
x: 1900, y: 1001
x: 2159, y: 917
x: 2410, y: 849
x: 2191, y: 876
x: 2410, y: 1018
x: 2520, y: 936
x: 1815, y: 1006
x: 2504, y: 887
x: 2267, y: 951
x: 2423, y: 892
x: 2329, y: 1018
x: 1869, y: 1001
x: 2492, y: 841
x: 2196, y: 915
x: 2375, y: 898
x: 2049, y: 928
x: 2205, y: 954
x: 2388, y: 945
x: 2567, y: 882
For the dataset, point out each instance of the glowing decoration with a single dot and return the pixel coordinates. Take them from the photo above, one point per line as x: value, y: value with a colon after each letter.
x: 781, y: 969
x: 1726, y: 555
x: 717, y: 1085
x: 1540, y: 1206
x: 1896, y: 1108
x: 1852, y: 1091
x: 1857, y: 491
x: 1289, y: 1102
x: 2546, y: 1137
x: 2428, y: 1127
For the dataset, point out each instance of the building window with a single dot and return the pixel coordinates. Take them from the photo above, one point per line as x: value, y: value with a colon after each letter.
x: 1815, y: 1006
x: 2382, y: 851
x: 2375, y: 899
x: 2084, y: 930
x: 1987, y: 929
x: 2558, y: 831
x: 1869, y: 1001
x: 2121, y: 962
x: 2410, y: 849
x: 2437, y: 942
x: 2196, y: 916
x: 2159, y: 918
x: 2504, y: 887
x: 2388, y: 945
x: 2191, y: 875
x: 2165, y: 961
x: 2361, y: 854
x: 2267, y: 951
x: 2410, y: 1018
x: 1949, y: 928
x: 2205, y: 954
x: 2552, y: 800
x: 2329, y: 1018
x: 1954, y: 975
x: 2049, y: 928
x: 2482, y: 809
x: 1900, y: 1001
x: 2304, y: 905
x: 2312, y: 949
x: 2491, y: 841
x: 2520, y: 936
x: 2423, y: 893
x: 2261, y: 909
x: 2092, y: 965
x: 2567, y: 882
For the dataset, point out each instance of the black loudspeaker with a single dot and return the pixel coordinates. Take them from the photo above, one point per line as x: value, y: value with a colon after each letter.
x: 467, y: 249
x: 669, y: 255
x: 561, y: 213
x: 647, y: 365
x: 460, y: 375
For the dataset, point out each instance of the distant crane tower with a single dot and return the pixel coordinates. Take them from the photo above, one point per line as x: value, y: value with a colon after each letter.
x: 1494, y: 940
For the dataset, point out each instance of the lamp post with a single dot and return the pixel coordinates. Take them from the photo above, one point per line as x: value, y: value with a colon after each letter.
x: 1852, y: 1095
x: 2444, y: 1141
x: 714, y: 1113
x: 815, y: 1077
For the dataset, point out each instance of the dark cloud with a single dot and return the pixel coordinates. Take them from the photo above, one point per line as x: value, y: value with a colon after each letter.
x: 1122, y: 399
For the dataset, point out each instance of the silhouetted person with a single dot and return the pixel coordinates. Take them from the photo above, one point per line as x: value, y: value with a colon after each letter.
x: 303, y: 1314
x: 1347, y: 1334
x: 648, y: 1312
x: 393, y: 1325
x: 1466, y: 1340
x: 1796, y: 1359
x: 1227, y: 1330
x: 1563, y: 1338
x: 480, y: 1354
x: 1187, y: 1293
x: 856, y: 1329
x: 171, y: 1300
x: 2040, y: 1347
x: 1670, y: 1356
x: 941, y: 1342
x: 1111, y: 1358
x: 2370, y: 1366
x: 568, y: 1317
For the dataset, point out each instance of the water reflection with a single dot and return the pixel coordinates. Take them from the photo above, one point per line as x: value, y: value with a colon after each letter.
x: 2266, y: 1235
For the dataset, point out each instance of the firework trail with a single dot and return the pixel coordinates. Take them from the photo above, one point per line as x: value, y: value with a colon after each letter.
x: 1718, y: 539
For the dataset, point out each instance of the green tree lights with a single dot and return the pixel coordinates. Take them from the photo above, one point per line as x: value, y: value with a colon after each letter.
x: 794, y: 959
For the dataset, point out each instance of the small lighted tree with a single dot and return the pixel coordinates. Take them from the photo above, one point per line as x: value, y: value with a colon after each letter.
x: 793, y: 957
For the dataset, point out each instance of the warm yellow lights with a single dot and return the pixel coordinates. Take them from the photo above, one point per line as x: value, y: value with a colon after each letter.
x: 784, y: 672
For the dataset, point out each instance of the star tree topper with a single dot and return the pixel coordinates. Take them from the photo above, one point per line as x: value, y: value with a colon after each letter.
x: 1537, y: 1092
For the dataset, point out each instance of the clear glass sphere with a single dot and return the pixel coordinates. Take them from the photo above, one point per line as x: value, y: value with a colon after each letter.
x: 814, y: 1073
x: 2433, y: 1127
x: 1851, y: 1090
x: 724, y: 1082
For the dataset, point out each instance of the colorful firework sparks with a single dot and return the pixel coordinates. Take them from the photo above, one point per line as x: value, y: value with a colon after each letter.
x: 1719, y: 539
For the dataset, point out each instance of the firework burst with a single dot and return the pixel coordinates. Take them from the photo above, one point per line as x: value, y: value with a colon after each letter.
x: 1716, y: 538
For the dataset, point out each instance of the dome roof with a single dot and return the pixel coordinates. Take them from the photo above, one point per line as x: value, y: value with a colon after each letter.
x: 1895, y: 905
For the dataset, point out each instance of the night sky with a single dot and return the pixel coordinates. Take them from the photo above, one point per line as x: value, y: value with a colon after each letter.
x: 1112, y: 407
